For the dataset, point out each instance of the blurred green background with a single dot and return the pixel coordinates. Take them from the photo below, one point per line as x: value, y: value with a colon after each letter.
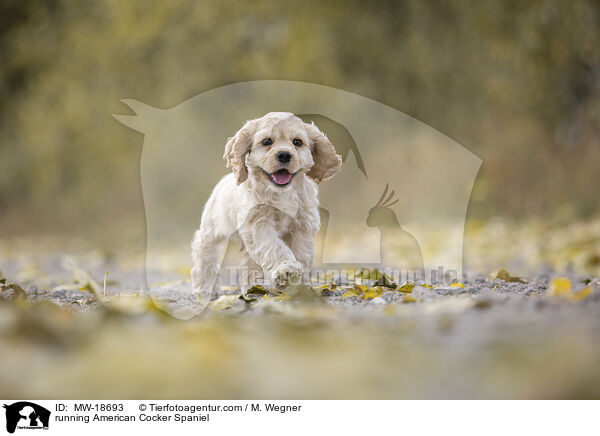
x: 516, y: 82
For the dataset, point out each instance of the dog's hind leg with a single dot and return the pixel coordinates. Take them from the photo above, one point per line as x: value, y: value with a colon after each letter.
x: 207, y: 253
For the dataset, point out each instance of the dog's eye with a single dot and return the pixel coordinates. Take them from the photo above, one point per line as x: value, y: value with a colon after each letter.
x: 297, y: 142
x: 267, y: 141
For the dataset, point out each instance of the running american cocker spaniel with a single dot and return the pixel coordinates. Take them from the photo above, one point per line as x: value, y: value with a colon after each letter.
x: 270, y: 199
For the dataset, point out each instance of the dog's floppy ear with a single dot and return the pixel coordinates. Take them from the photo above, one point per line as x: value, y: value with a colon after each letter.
x: 327, y: 161
x: 236, y: 150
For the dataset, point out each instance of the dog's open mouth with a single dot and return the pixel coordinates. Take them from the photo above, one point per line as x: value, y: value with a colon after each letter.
x: 281, y: 177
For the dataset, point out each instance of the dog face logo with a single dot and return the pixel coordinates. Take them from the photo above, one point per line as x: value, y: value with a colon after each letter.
x: 26, y: 415
x: 420, y: 226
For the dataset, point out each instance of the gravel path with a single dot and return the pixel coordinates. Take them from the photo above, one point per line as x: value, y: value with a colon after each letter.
x: 481, y: 338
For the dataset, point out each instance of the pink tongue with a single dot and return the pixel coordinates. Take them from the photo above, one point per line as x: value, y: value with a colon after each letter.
x: 281, y: 177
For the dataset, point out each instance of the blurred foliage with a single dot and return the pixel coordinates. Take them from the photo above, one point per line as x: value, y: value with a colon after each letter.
x: 516, y: 82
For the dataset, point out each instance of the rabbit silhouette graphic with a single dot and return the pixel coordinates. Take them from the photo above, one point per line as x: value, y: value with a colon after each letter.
x: 398, y: 247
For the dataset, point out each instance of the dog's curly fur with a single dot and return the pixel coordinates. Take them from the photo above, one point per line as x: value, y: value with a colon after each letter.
x: 276, y: 221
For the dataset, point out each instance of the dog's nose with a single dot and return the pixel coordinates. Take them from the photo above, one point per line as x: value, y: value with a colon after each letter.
x: 284, y: 157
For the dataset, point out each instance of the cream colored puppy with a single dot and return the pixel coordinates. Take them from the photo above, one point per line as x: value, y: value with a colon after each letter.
x: 270, y: 199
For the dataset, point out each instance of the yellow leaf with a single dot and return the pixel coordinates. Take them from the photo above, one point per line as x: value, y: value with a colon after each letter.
x: 406, y: 288
x: 457, y: 285
x: 351, y: 293
x: 329, y: 287
x: 409, y: 299
x: 560, y: 287
x: 577, y: 296
x: 372, y: 293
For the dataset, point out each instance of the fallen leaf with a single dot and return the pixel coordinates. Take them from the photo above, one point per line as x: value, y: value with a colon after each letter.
x: 561, y: 288
x: 385, y: 282
x: 329, y: 287
x: 257, y: 290
x: 372, y: 293
x: 406, y: 288
x: 85, y: 281
x: 585, y: 292
x: 19, y: 292
x: 356, y: 291
x: 503, y: 274
x: 409, y: 299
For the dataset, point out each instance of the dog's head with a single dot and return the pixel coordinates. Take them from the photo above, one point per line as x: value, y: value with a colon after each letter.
x: 279, y: 147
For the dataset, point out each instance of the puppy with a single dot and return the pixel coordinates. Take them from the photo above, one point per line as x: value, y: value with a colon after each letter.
x: 270, y: 199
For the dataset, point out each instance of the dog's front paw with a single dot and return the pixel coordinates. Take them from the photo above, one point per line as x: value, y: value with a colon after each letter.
x: 287, y: 273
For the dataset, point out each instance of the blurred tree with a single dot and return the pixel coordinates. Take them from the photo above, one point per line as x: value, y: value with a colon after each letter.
x: 515, y: 82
